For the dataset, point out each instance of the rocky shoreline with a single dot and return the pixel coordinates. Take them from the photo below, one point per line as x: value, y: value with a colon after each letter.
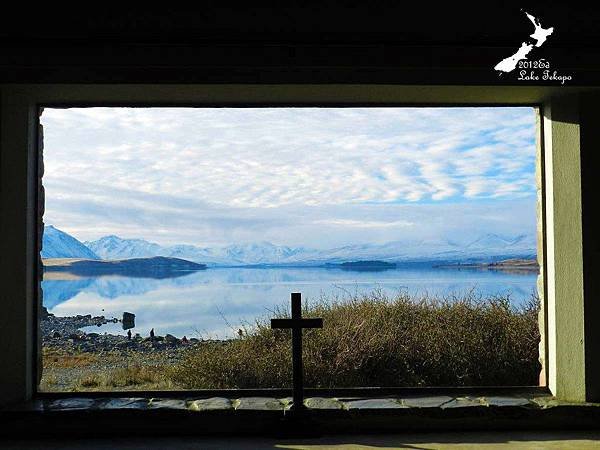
x: 66, y: 333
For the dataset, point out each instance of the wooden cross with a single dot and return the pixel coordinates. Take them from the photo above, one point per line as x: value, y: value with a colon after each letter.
x: 297, y: 323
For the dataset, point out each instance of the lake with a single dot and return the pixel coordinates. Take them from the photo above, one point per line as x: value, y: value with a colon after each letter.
x: 213, y: 303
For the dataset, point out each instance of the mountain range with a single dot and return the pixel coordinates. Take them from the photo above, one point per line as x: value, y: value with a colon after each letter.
x: 58, y: 244
x: 488, y: 247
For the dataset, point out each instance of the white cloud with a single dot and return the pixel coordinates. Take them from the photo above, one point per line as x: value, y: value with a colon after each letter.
x: 186, y: 166
x: 364, y: 223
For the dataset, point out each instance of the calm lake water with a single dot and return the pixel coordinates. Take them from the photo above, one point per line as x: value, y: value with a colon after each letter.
x: 213, y: 303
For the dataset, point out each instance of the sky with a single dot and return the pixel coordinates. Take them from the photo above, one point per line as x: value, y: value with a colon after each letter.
x: 312, y: 177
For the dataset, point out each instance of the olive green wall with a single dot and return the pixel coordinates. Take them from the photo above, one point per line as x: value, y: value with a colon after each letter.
x: 564, y: 257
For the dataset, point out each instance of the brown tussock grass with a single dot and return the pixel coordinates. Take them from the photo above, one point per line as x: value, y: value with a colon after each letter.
x: 373, y: 340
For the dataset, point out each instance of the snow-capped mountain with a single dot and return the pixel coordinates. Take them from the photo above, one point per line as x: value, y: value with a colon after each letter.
x: 496, y: 241
x: 58, y: 244
x: 113, y: 247
x: 484, y: 248
x: 262, y: 252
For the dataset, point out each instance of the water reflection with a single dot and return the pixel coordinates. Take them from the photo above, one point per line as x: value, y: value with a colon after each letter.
x: 213, y: 303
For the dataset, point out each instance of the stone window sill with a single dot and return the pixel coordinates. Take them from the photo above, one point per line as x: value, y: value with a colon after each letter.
x: 271, y: 415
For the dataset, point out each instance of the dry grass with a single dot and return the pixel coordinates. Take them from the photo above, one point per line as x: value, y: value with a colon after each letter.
x: 103, y: 371
x: 55, y: 358
x: 368, y: 340
x: 49, y: 382
x: 373, y: 340
x: 134, y: 377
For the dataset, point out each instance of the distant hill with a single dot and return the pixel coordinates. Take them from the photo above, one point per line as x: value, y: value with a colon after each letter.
x: 368, y: 265
x: 507, y: 265
x: 58, y: 244
x: 363, y: 266
x: 155, y: 267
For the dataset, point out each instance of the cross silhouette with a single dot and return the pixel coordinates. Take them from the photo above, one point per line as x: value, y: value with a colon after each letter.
x: 297, y: 323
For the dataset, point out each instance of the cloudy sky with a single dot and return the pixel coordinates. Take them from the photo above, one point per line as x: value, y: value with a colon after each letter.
x: 317, y: 177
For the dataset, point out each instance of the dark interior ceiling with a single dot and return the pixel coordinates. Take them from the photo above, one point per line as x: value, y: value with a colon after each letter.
x: 334, y: 41
x: 489, y: 23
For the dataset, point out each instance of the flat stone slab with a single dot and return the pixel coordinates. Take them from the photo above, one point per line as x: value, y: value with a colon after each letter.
x: 506, y: 401
x: 426, y: 402
x: 125, y: 403
x: 73, y: 404
x: 282, y: 404
x: 258, y: 404
x: 551, y: 402
x: 210, y: 404
x: 375, y: 403
x: 164, y: 403
x: 323, y: 403
x: 462, y: 402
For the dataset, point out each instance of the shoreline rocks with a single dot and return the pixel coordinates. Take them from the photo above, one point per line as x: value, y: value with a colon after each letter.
x: 65, y: 332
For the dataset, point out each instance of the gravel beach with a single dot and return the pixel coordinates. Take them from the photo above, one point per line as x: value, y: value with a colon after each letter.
x: 75, y: 360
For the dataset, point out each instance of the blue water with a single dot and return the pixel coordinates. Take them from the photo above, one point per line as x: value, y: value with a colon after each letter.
x: 215, y: 302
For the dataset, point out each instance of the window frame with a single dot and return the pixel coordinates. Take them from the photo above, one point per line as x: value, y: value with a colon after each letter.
x: 27, y: 101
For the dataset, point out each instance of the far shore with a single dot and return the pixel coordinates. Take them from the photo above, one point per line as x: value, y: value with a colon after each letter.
x: 154, y: 267
x: 74, y: 265
x: 521, y: 265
